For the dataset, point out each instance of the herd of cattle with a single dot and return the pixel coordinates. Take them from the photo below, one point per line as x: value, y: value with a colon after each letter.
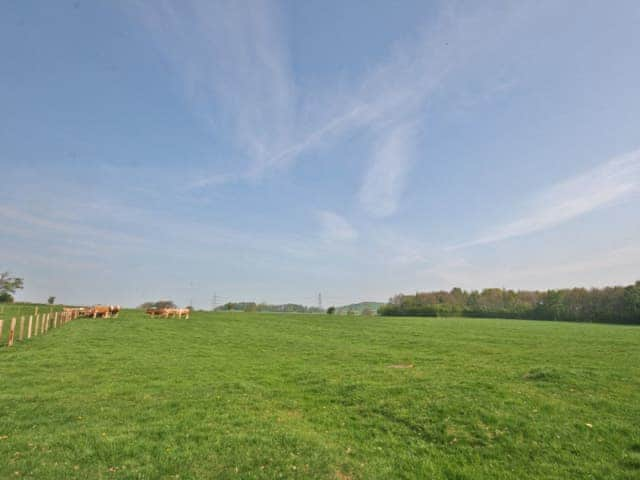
x: 109, y: 311
x: 103, y: 311
x: 169, y: 312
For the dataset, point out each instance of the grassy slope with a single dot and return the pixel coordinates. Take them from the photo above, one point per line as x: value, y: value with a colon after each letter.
x: 277, y: 396
x: 8, y: 310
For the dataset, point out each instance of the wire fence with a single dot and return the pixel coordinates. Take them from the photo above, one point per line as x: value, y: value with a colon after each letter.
x: 24, y: 327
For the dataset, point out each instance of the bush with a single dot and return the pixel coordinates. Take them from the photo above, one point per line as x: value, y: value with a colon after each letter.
x: 6, y: 297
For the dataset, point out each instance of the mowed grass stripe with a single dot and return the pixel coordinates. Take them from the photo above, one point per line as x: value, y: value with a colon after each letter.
x: 313, y: 396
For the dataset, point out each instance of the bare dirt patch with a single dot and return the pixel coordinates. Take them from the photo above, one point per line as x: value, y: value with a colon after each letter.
x: 289, y: 415
x: 401, y: 365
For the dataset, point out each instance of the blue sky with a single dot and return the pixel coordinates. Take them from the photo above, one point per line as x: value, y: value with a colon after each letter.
x: 269, y: 151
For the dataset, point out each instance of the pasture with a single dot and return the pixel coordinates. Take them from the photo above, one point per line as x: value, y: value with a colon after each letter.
x: 316, y: 396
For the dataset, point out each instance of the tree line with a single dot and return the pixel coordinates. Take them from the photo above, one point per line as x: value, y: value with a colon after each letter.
x: 606, y: 305
x: 265, y: 307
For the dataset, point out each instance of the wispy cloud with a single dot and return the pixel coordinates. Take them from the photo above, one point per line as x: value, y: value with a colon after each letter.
x: 20, y: 221
x: 400, y: 249
x: 232, y: 58
x: 232, y: 55
x: 613, y: 181
x: 335, y: 227
x: 597, y: 268
x: 384, y: 182
x: 215, y: 179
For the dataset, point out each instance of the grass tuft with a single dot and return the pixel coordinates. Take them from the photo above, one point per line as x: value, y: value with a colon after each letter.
x: 542, y: 375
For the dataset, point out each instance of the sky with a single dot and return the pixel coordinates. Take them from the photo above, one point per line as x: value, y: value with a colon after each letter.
x: 271, y: 151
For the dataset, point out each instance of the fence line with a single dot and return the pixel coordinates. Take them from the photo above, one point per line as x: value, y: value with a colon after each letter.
x: 43, y: 323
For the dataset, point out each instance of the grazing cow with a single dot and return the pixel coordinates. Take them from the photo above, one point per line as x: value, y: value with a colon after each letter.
x: 114, y: 310
x: 157, y: 311
x: 101, y: 311
x: 169, y: 312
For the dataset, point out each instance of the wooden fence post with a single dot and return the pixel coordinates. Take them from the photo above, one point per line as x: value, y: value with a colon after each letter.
x: 29, y: 326
x: 46, y: 323
x: 1, y: 328
x: 12, y: 331
x: 21, y: 336
x: 36, y: 312
x: 55, y: 320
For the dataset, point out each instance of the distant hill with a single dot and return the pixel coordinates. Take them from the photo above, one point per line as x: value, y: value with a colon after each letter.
x: 263, y: 307
x: 354, y: 308
x: 358, y: 308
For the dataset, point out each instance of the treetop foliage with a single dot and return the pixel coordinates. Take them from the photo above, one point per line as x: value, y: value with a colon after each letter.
x: 158, y: 304
x: 607, y: 305
x: 8, y: 286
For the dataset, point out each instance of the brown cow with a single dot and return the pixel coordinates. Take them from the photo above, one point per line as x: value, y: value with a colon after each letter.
x: 76, y: 311
x: 169, y: 312
x: 179, y: 312
x: 101, y: 311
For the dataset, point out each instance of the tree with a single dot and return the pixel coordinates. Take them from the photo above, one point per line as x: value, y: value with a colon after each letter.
x: 6, y: 297
x: 166, y: 304
x: 158, y: 304
x: 51, y: 300
x: 632, y: 303
x: 8, y: 286
x: 331, y: 310
x: 607, y: 305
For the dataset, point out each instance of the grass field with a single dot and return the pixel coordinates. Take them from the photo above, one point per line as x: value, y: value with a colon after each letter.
x: 314, y: 396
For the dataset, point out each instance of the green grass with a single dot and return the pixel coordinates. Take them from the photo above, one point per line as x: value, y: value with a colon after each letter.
x: 312, y: 396
x: 8, y: 310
